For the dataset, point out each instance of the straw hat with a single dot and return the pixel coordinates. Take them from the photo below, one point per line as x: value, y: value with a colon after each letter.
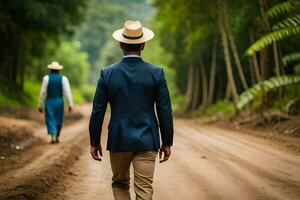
x: 133, y: 33
x: 55, y: 65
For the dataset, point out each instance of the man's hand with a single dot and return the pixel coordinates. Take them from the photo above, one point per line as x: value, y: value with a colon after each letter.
x: 95, y: 152
x: 70, y: 108
x: 41, y: 110
x: 167, y: 153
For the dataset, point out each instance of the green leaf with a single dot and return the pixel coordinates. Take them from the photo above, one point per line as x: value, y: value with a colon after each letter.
x: 264, y: 87
x: 289, y: 22
x: 272, y: 37
x: 291, y: 58
x: 283, y: 8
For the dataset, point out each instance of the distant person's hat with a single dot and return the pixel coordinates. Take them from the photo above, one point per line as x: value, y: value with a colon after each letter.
x: 133, y: 33
x: 55, y: 65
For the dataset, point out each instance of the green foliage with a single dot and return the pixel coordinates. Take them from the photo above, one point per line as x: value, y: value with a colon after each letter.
x: 287, y: 23
x: 110, y: 54
x: 26, y: 27
x: 273, y: 37
x: 31, y: 89
x: 284, y: 29
x: 291, y: 58
x: 297, y: 69
x: 188, y: 30
x: 283, y: 8
x: 77, y: 96
x: 264, y: 87
x: 291, y: 105
x: 95, y: 33
x: 87, y: 92
x: 75, y: 62
x: 6, y: 101
x: 76, y: 68
x: 157, y: 55
x: 224, y: 107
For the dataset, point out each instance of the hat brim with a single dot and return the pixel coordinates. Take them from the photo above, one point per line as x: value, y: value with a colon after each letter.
x: 147, y: 35
x: 60, y: 67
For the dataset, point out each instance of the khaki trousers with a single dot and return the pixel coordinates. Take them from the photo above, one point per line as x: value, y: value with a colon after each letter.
x: 143, y: 169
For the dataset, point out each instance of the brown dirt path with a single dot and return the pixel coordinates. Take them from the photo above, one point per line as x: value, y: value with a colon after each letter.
x: 207, y: 163
x: 41, y: 167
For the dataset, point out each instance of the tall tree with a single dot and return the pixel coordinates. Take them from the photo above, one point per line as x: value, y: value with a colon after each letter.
x: 224, y: 38
x: 22, y: 24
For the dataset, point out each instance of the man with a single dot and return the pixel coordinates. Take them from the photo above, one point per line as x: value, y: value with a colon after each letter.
x: 132, y: 87
x: 54, y: 86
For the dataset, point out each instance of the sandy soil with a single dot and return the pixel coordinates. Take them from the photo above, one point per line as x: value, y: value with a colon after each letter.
x: 207, y: 163
x: 29, y: 172
x: 282, y: 129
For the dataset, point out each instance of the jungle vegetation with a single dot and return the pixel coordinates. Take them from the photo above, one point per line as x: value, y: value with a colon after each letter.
x: 227, y: 55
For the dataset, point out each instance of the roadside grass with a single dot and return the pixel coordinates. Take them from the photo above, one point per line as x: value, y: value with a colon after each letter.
x: 222, y: 108
x: 30, y: 96
x: 6, y: 101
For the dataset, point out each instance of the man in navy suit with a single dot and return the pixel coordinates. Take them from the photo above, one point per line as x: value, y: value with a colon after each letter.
x: 133, y: 88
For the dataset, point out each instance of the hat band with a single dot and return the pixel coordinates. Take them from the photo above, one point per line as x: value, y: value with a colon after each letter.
x: 132, y: 38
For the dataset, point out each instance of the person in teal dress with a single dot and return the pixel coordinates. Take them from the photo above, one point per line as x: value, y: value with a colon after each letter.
x: 54, y: 87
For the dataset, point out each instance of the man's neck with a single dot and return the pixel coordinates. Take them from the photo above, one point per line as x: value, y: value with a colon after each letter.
x: 132, y: 53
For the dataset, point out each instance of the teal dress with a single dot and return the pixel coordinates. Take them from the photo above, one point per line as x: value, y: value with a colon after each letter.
x: 54, y: 107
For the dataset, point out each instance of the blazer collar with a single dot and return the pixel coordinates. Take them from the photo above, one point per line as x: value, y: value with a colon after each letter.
x: 131, y: 58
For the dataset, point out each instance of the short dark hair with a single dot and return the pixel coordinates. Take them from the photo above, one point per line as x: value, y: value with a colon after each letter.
x: 132, y: 47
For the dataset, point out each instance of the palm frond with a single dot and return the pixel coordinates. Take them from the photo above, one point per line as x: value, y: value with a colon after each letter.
x: 290, y: 105
x: 261, y: 88
x: 283, y: 8
x: 289, y: 22
x: 272, y: 37
x: 291, y: 58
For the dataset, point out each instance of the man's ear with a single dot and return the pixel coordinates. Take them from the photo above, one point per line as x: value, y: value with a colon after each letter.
x: 142, y: 46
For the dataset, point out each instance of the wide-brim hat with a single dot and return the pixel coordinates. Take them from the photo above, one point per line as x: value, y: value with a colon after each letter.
x: 133, y: 33
x: 55, y: 65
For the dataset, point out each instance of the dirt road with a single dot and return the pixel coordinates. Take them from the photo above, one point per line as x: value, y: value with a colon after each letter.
x: 207, y: 163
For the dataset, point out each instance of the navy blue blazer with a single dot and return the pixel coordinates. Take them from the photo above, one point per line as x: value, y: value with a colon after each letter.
x: 133, y: 88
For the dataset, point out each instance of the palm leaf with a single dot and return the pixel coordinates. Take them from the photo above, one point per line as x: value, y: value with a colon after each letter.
x: 290, y: 104
x: 289, y: 22
x: 263, y: 87
x: 283, y: 8
x: 291, y: 58
x: 272, y: 37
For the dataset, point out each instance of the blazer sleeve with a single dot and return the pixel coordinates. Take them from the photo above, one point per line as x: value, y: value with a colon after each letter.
x: 164, y: 111
x: 99, y: 108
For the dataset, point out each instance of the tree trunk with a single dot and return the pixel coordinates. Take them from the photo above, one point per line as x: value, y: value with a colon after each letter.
x: 277, y: 71
x: 226, y: 51
x: 276, y: 59
x: 228, y: 92
x: 234, y: 51
x: 196, y: 89
x: 252, y: 72
x: 190, y: 88
x: 265, y: 62
x: 204, y: 82
x: 254, y: 59
x: 282, y: 71
x: 212, y: 73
